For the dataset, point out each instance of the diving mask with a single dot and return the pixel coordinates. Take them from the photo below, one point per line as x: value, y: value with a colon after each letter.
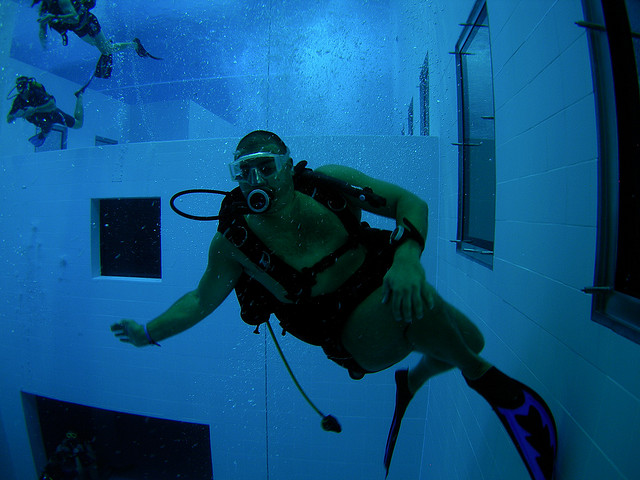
x: 22, y: 86
x: 261, y: 164
x: 22, y: 83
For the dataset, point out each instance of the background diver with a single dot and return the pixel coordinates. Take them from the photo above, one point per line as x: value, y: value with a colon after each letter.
x: 74, y: 459
x: 75, y: 16
x: 292, y: 245
x: 35, y: 105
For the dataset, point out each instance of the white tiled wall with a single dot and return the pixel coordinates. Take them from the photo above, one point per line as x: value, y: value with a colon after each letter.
x: 55, y: 315
x: 535, y: 318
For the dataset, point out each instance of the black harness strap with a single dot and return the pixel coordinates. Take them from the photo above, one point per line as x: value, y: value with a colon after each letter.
x: 257, y: 303
x: 298, y: 284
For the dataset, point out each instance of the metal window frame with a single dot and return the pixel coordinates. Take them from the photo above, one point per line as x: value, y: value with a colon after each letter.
x: 478, y: 250
x: 101, y: 141
x: 47, y: 146
x: 609, y: 36
x: 424, y: 97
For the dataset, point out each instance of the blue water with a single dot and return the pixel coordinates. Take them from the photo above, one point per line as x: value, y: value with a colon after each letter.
x: 308, y: 67
x: 340, y: 82
x: 214, y: 402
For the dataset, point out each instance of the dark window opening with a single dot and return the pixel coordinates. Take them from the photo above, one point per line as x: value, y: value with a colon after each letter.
x: 476, y: 144
x: 614, y: 41
x: 424, y: 97
x: 99, y: 141
x: 130, y: 237
x: 624, y: 55
x: 410, y: 118
x: 121, y: 445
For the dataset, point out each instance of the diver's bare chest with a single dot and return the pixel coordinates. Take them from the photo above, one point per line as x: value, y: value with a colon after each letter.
x: 302, y: 239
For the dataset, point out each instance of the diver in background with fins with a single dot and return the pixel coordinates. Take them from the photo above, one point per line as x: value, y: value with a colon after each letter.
x: 75, y: 15
x: 35, y: 105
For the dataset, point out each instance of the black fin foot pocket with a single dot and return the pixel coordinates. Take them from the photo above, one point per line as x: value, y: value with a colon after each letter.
x: 403, y: 397
x: 104, y: 67
x: 141, y: 51
x: 527, y: 418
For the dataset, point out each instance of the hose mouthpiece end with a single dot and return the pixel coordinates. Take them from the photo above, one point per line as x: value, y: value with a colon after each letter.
x: 331, y: 424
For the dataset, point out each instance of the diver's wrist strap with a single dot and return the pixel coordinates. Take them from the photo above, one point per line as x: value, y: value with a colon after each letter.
x: 151, y: 340
x: 401, y: 234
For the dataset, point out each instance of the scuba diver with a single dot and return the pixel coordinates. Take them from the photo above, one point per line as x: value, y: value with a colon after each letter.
x: 32, y: 102
x: 72, y: 460
x: 290, y: 241
x: 75, y: 15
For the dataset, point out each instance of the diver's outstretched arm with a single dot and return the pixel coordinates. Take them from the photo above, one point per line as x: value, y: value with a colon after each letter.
x: 216, y: 284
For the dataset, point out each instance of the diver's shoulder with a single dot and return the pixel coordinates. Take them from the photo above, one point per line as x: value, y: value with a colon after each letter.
x: 338, y: 171
x: 346, y: 174
x: 332, y: 167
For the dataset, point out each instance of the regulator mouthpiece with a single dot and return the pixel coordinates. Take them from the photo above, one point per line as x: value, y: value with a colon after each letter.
x: 330, y: 424
x: 259, y: 200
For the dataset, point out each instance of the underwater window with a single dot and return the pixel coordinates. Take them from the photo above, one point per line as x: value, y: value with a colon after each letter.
x: 410, y: 118
x: 614, y: 42
x: 112, y: 444
x: 476, y: 139
x: 424, y: 97
x: 99, y: 141
x: 56, y: 139
x: 129, y: 237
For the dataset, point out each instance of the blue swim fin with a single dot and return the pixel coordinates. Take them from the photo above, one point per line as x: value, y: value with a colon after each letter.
x: 527, y: 418
x: 403, y: 397
x: 38, y: 139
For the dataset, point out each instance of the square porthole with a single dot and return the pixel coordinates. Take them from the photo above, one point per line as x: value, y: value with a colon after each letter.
x: 56, y: 140
x: 126, y: 237
x: 100, y: 141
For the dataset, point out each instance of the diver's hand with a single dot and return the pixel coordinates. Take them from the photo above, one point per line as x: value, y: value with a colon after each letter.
x: 27, y: 112
x: 46, y: 19
x: 130, y: 331
x: 406, y: 288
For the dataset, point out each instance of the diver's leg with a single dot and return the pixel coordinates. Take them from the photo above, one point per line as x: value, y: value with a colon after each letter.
x: 106, y: 47
x: 525, y: 415
x: 117, y: 47
x: 78, y: 113
x: 446, y: 335
x: 376, y: 341
x: 422, y: 371
x: 429, y: 366
x: 445, y: 338
x: 100, y: 42
x: 409, y: 382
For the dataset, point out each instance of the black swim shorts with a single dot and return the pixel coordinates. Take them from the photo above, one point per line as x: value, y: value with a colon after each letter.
x: 46, y: 120
x: 90, y: 27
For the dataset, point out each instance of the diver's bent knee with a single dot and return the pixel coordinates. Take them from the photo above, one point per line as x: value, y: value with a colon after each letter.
x: 478, y: 344
x: 473, y: 338
x: 471, y: 334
